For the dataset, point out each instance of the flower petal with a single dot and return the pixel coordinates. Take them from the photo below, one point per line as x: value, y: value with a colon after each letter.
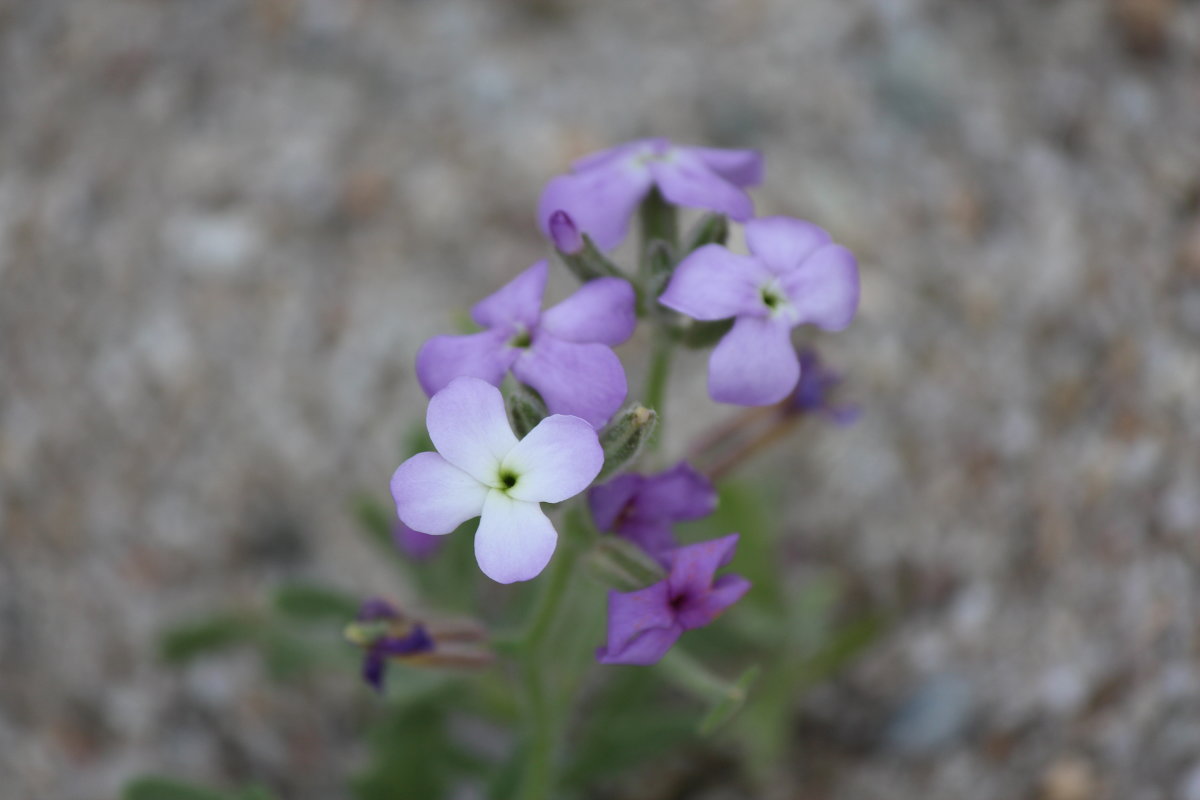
x: 628, y: 150
x: 641, y: 626
x: 739, y: 167
x: 609, y: 501
x: 754, y: 364
x: 782, y: 243
x: 824, y: 289
x: 601, y: 200
x: 699, y: 611
x: 518, y: 302
x: 692, y: 567
x: 584, y: 380
x: 558, y: 459
x: 713, y: 283
x: 515, y: 539
x: 600, y: 311
x: 681, y: 493
x: 434, y: 496
x: 655, y: 536
x: 469, y: 427
x: 483, y: 355
x: 684, y: 179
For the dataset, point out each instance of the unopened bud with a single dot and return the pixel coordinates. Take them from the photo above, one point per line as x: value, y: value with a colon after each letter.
x: 711, y: 229
x: 624, y: 566
x: 624, y: 438
x: 577, y: 251
x: 525, y: 409
x: 564, y: 234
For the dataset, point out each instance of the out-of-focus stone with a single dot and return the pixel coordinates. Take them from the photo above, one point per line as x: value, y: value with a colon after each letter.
x: 1143, y: 25
x: 1069, y: 778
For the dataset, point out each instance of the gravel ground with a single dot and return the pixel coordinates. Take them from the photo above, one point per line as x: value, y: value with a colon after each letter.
x: 225, y: 226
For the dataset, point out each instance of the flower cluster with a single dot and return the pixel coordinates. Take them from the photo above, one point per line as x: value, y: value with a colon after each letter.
x: 565, y: 385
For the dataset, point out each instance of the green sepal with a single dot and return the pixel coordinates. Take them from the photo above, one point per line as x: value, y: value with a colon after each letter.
x: 710, y: 229
x: 525, y: 409
x: 624, y: 438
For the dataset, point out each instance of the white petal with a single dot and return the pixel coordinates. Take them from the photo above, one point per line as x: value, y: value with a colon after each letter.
x: 558, y: 459
x: 515, y: 539
x: 434, y: 496
x: 469, y: 427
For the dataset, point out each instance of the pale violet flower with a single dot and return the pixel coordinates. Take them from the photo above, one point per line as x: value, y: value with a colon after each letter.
x: 481, y: 470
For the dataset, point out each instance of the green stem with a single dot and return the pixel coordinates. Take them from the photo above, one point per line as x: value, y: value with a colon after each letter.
x: 656, y: 380
x: 659, y: 221
x: 688, y: 673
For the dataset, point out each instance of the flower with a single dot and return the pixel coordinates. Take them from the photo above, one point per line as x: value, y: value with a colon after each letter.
x: 814, y: 391
x: 414, y: 544
x: 481, y: 470
x: 392, y: 635
x: 565, y: 352
x: 642, y: 508
x: 643, y: 625
x: 604, y: 189
x: 794, y: 275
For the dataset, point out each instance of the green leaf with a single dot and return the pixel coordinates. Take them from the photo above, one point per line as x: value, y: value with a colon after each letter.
x: 311, y: 603
x: 725, y: 708
x: 182, y: 643
x: 152, y: 787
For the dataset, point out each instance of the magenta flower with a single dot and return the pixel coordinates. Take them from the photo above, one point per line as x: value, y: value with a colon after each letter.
x: 794, y: 275
x: 565, y: 352
x: 642, y: 508
x: 481, y: 470
x: 643, y: 625
x: 398, y: 637
x: 604, y: 189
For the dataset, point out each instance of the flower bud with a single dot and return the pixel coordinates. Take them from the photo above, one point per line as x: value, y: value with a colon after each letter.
x: 525, y: 409
x: 577, y: 251
x: 564, y: 234
x: 657, y: 266
x: 624, y: 438
x: 621, y: 564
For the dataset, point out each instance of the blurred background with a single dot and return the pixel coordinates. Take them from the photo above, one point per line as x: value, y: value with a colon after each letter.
x: 226, y: 226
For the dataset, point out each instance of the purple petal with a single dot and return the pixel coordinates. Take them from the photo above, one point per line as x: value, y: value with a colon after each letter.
x: 373, y: 667
x: 469, y: 427
x: 418, y: 641
x: 485, y: 355
x: 692, y: 567
x: 415, y: 544
x: 583, y: 380
x: 515, y: 539
x: 681, y: 493
x: 652, y: 535
x: 564, y: 233
x: 641, y: 626
x: 600, y: 311
x: 375, y: 609
x: 824, y: 289
x: 558, y: 459
x: 739, y: 167
x: 700, y: 610
x: 684, y: 179
x: 627, y: 151
x: 713, y: 283
x: 609, y: 501
x: 782, y: 243
x: 518, y: 302
x: 434, y: 496
x: 601, y: 201
x: 754, y: 364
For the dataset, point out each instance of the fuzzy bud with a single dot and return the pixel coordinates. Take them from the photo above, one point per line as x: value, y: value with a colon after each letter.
x: 525, y: 409
x: 624, y: 438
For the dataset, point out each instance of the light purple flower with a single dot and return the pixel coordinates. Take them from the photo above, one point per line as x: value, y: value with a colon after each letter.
x: 642, y: 508
x: 481, y: 470
x: 643, y: 625
x: 565, y: 352
x: 814, y: 392
x: 794, y: 275
x: 604, y: 189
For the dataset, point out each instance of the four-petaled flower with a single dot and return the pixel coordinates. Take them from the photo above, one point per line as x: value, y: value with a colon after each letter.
x: 396, y: 636
x: 642, y: 508
x: 481, y: 470
x: 604, y: 189
x: 643, y: 625
x: 565, y: 352
x: 794, y: 275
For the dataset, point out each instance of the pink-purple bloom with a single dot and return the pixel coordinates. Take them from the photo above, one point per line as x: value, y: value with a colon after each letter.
x: 398, y: 639
x: 603, y: 190
x: 481, y: 470
x: 794, y: 275
x: 643, y: 625
x: 642, y: 508
x: 564, y: 352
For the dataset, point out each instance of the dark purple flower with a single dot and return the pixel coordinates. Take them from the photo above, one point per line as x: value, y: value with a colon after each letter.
x: 565, y: 352
x: 814, y: 391
x: 604, y: 189
x: 794, y: 275
x: 416, y: 545
x: 643, y: 625
x: 395, y: 636
x: 642, y: 508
